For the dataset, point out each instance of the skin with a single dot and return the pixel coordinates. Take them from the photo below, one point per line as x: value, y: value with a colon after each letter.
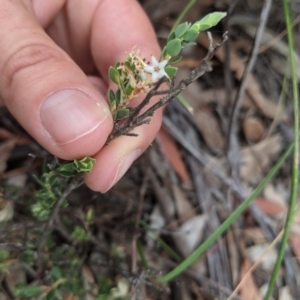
x: 48, y: 47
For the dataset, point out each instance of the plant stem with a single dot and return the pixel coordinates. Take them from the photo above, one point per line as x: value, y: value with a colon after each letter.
x: 295, y: 171
x: 184, y: 11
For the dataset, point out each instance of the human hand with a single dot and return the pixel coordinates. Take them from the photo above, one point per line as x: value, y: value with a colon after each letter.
x: 50, y: 81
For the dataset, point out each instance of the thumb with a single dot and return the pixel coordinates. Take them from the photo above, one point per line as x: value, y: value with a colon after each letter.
x: 46, y: 91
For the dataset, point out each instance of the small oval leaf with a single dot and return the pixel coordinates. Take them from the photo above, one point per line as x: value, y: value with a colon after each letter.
x: 111, y: 96
x: 173, y: 47
x: 122, y: 113
x: 114, y: 75
x: 171, y: 36
x: 31, y: 291
x: 171, y: 71
x: 181, y: 29
x: 112, y: 100
x: 195, y: 27
x: 174, y: 60
x: 118, y: 97
x: 67, y: 169
x: 210, y: 20
x: 129, y: 89
x: 190, y: 35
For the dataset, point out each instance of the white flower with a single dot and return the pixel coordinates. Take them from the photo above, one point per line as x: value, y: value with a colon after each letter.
x: 157, y: 69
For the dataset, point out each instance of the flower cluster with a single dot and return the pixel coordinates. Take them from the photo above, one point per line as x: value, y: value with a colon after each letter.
x: 131, y: 77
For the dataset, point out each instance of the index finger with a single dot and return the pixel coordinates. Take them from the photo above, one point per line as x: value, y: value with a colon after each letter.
x: 118, y: 27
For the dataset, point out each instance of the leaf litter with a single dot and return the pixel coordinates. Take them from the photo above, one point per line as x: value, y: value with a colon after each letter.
x: 177, y: 193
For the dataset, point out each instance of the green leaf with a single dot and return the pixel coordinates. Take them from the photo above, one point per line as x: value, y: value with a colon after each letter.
x: 80, y: 234
x: 67, y: 169
x: 114, y: 75
x: 185, y: 45
x: 112, y: 100
x: 210, y: 20
x: 190, y: 35
x: 181, y: 29
x: 123, y: 113
x: 56, y: 273
x: 84, y: 165
x: 173, y: 47
x: 130, y: 66
x: 174, y: 60
x: 171, y: 71
x: 4, y: 255
x: 129, y: 89
x: 111, y: 96
x: 118, y: 97
x: 31, y: 291
x: 196, y: 27
x: 114, y: 115
x: 171, y: 36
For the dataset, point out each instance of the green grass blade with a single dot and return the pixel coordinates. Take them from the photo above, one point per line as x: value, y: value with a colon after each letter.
x: 223, y: 227
x: 184, y: 102
x: 295, y: 170
x: 141, y: 254
x: 161, y: 242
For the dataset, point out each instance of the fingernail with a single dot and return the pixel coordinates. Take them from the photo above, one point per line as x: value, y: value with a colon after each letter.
x: 70, y: 114
x: 123, y: 166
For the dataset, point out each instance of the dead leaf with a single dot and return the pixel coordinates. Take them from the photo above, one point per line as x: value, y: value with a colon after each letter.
x: 249, y: 24
x: 190, y: 234
x: 15, y: 275
x: 7, y: 135
x: 18, y: 180
x: 257, y: 158
x: 254, y: 235
x: 285, y: 293
x: 6, y: 209
x: 184, y: 208
x: 172, y: 154
x: 210, y: 129
x: 198, y: 97
x: 233, y: 255
x: 278, y: 193
x: 249, y: 290
x: 268, y: 261
x: 268, y: 207
x: 156, y: 223
x: 294, y: 240
x: 253, y: 128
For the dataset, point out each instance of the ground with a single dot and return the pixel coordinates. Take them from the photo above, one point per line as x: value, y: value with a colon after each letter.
x: 204, y: 162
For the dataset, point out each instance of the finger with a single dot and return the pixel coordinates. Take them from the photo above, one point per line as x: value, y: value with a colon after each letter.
x: 43, y: 88
x: 114, y: 160
x: 46, y: 11
x: 129, y: 28
x: 118, y: 27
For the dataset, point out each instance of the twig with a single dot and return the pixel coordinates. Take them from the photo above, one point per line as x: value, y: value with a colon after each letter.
x: 135, y: 111
x: 134, y: 120
x: 232, y: 141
